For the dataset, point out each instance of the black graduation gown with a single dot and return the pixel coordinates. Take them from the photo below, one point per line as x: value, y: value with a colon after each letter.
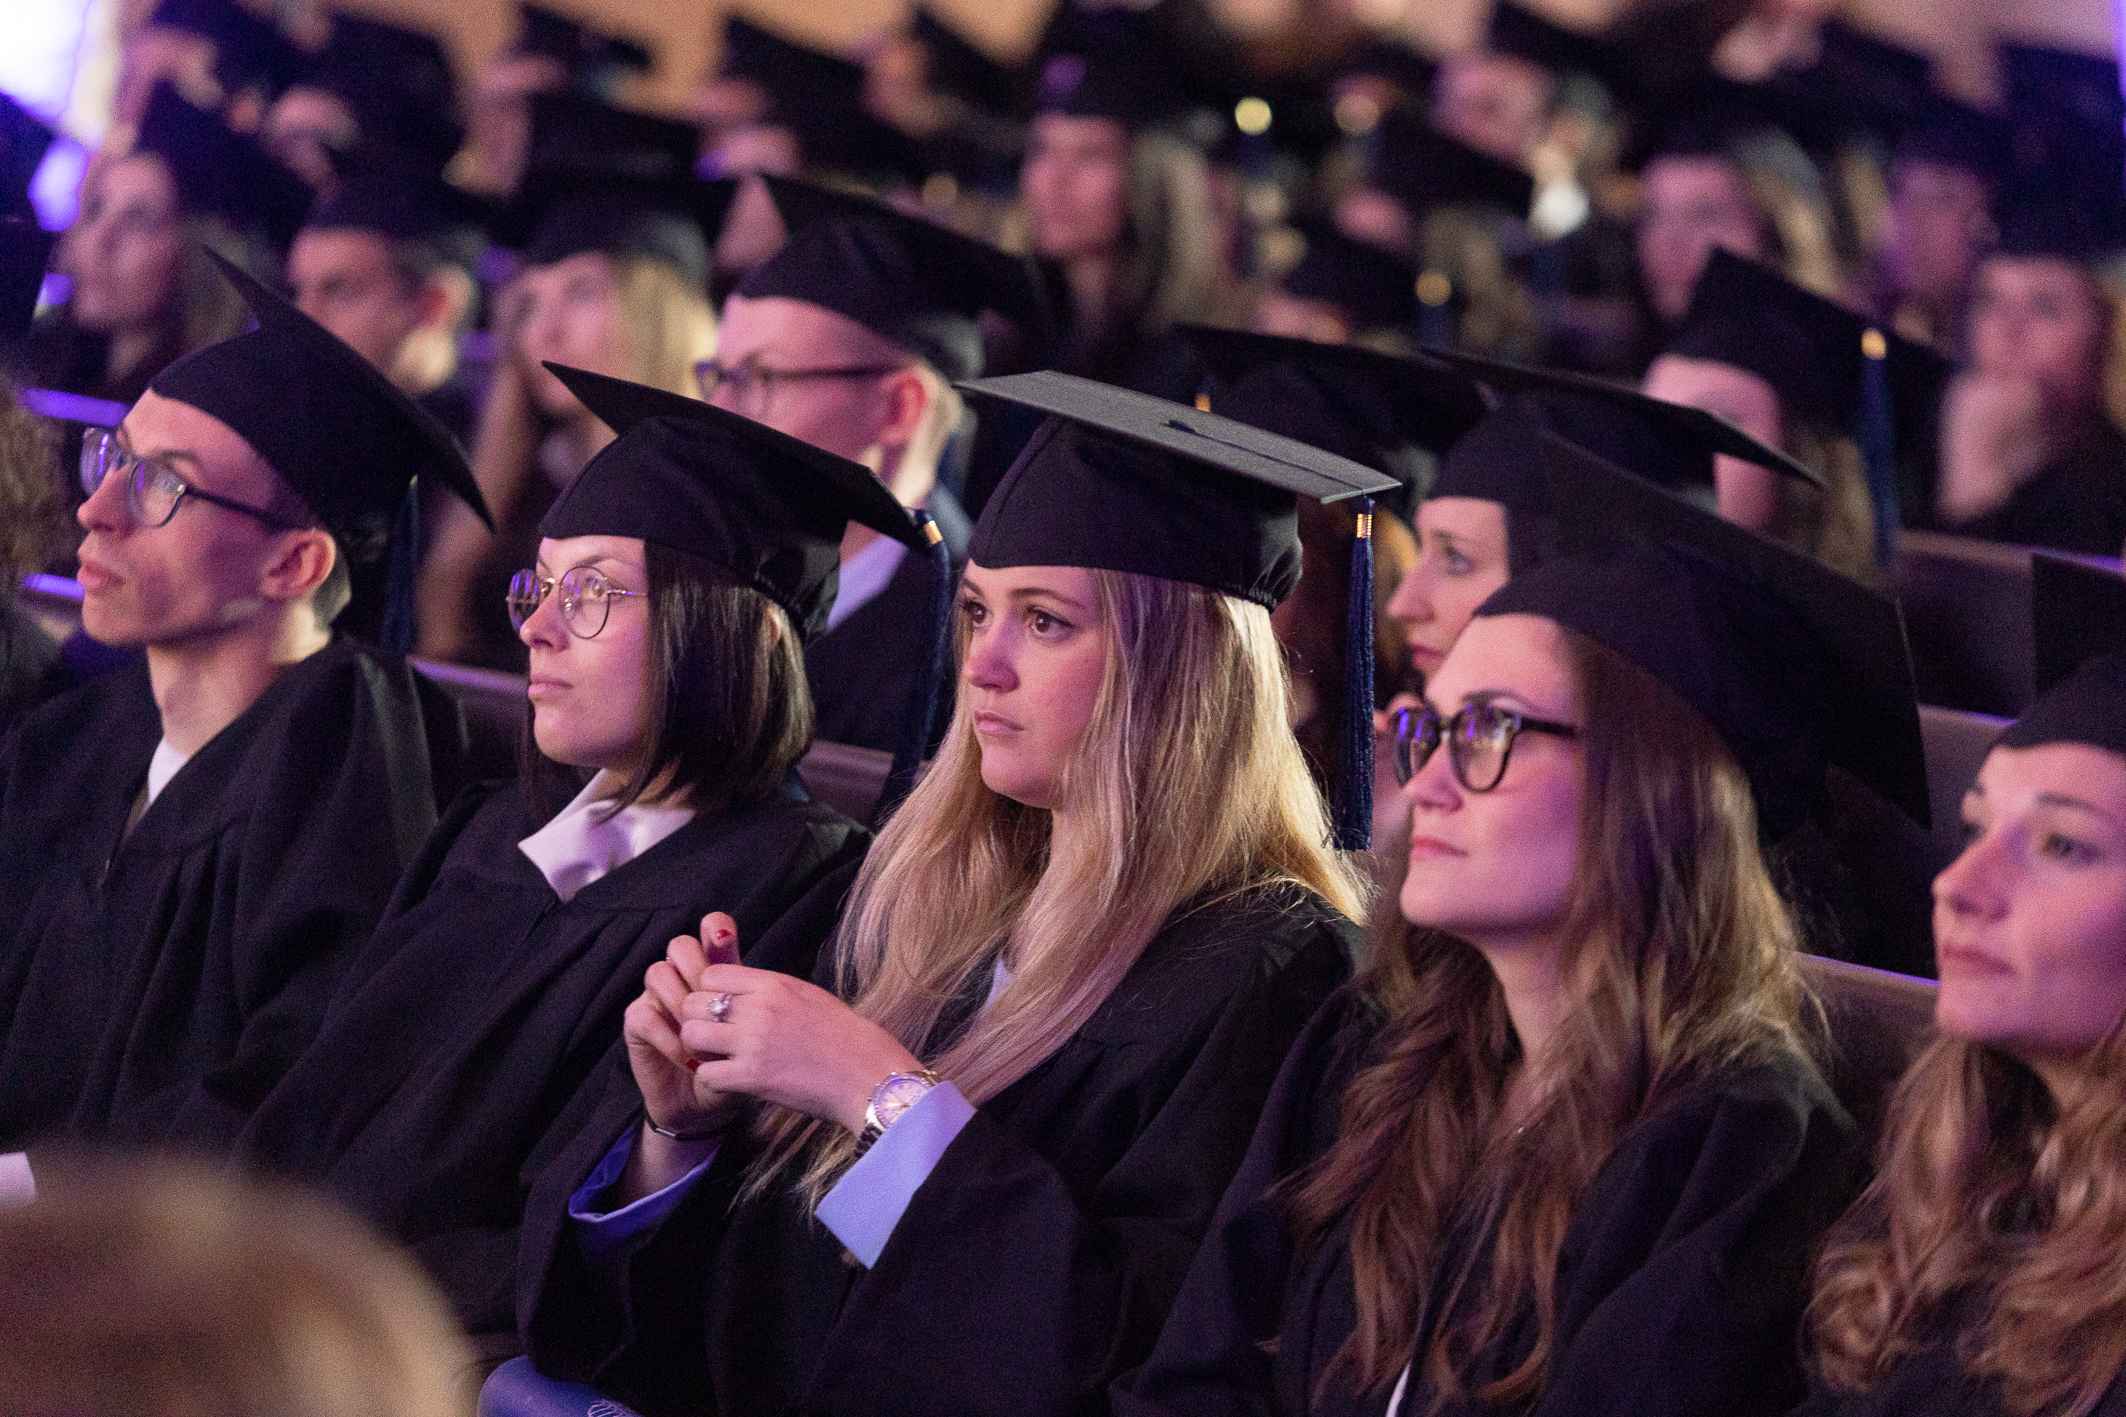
x: 1932, y: 1383
x: 1680, y: 1281
x: 866, y: 670
x: 466, y: 1029
x: 30, y: 669
x: 153, y: 983
x: 1035, y: 1262
x: 2076, y: 502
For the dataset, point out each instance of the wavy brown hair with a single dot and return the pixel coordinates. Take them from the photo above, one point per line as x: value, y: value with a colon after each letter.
x: 1681, y: 959
x: 32, y: 514
x: 1999, y: 1203
x: 1197, y: 790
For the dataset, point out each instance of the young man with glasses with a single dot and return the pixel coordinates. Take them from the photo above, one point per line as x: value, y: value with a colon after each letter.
x: 190, y: 850
x: 851, y: 338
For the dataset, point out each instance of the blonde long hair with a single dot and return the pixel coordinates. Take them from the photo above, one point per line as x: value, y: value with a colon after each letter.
x: 1681, y: 958
x: 1988, y: 1191
x: 1197, y: 791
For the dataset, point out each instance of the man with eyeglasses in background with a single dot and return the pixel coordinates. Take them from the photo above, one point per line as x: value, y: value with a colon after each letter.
x: 191, y: 848
x: 851, y: 337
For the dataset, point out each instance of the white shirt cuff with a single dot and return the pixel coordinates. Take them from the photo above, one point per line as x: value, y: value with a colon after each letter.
x: 17, y: 1186
x: 870, y: 1198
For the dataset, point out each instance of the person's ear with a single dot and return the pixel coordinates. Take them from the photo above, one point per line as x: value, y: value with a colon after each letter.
x: 907, y: 404
x: 299, y: 563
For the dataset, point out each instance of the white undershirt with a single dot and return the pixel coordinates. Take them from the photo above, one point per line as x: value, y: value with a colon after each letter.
x: 864, y: 575
x: 163, y: 766
x: 578, y: 847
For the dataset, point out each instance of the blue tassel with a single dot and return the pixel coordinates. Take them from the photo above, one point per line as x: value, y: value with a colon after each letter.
x: 919, y: 727
x: 1878, y: 441
x: 1354, y: 787
x: 395, y: 633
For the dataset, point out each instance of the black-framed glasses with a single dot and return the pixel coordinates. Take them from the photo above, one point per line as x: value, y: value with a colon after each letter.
x: 153, y: 489
x: 586, y: 599
x: 751, y: 385
x: 1479, y: 739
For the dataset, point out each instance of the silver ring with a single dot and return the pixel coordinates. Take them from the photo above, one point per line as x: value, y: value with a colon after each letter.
x: 720, y: 1008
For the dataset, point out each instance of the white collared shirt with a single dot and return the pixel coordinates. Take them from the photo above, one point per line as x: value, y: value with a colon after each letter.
x: 864, y: 575
x: 162, y: 767
x: 580, y: 844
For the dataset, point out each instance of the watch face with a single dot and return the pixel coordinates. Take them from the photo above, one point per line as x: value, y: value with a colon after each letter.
x: 896, y: 1095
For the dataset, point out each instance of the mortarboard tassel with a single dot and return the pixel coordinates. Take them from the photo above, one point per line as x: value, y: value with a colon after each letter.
x: 1354, y: 786
x: 1878, y: 441
x: 395, y: 633
x: 921, y: 713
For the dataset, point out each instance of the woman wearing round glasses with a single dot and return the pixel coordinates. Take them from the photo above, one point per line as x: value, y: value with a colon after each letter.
x: 1563, y: 1147
x: 675, y: 584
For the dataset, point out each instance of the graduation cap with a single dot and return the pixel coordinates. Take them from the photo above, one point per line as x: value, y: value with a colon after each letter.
x: 591, y: 57
x: 1397, y: 414
x: 1124, y: 85
x: 24, y: 140
x: 1795, y: 666
x: 959, y: 66
x: 1121, y: 481
x: 350, y: 443
x: 579, y: 130
x: 403, y: 201
x: 767, y: 508
x: 25, y: 248
x: 1375, y: 289
x: 1826, y: 362
x: 2058, y: 225
x: 250, y: 50
x: 1669, y: 444
x: 397, y: 82
x: 1423, y: 168
x: 565, y: 211
x: 790, y: 72
x: 921, y: 285
x: 2078, y: 620
x: 1947, y: 132
x: 1402, y: 68
x: 1521, y: 33
x: 219, y: 171
x: 2082, y: 88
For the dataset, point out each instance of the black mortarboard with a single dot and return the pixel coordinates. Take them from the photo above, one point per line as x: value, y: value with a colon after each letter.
x: 1949, y: 133
x: 335, y: 430
x: 24, y: 140
x: 2078, y: 624
x: 591, y: 57
x: 250, y: 50
x: 2060, y: 222
x: 819, y: 97
x: 579, y: 130
x: 1423, y: 168
x: 219, y: 171
x: 1826, y: 362
x: 406, y: 202
x: 1124, y: 86
x: 1502, y: 459
x: 787, y: 69
x: 2083, y: 88
x: 760, y: 505
x: 563, y: 212
x: 959, y: 66
x: 1378, y: 56
x: 1669, y: 444
x: 1795, y: 666
x: 1397, y: 414
x: 397, y: 82
x: 1376, y: 289
x: 1524, y: 34
x: 918, y: 284
x: 25, y: 248
x: 768, y: 508
x: 1121, y: 481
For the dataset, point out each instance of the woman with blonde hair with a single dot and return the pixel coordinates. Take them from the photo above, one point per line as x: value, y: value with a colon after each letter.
x: 1564, y: 1147
x: 615, y: 280
x: 968, y: 1175
x: 1984, y: 1271
x: 165, y: 1290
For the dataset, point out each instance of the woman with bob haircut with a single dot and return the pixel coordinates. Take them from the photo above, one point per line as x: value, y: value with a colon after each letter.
x: 675, y: 585
x: 1563, y: 1147
x: 1984, y: 1270
x: 967, y: 1175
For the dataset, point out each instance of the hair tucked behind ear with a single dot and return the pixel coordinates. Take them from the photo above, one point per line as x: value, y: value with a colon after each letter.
x: 1997, y: 1210
x: 1680, y: 958
x: 1195, y: 789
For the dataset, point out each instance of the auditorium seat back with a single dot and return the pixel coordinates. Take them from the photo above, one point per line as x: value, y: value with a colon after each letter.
x: 1878, y: 1022
x: 493, y: 705
x: 846, y: 778
x: 1956, y: 743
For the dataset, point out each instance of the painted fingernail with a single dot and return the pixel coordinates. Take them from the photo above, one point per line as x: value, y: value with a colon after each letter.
x: 724, y: 935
